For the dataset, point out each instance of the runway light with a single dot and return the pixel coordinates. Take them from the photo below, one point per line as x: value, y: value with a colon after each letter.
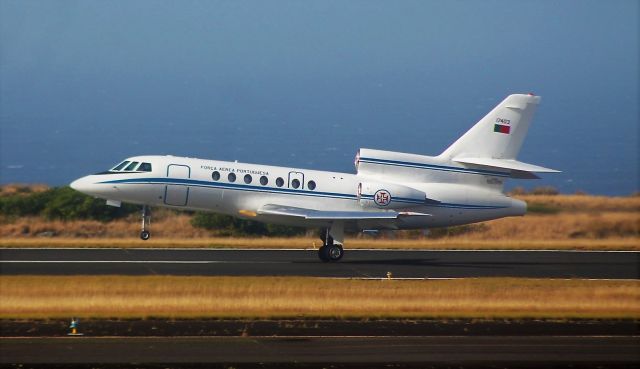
x: 389, y: 275
x: 74, y: 328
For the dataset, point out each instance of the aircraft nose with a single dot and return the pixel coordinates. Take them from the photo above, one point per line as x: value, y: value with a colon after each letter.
x: 81, y: 185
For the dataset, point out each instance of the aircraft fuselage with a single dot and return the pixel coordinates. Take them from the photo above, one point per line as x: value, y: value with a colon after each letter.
x: 190, y: 184
x: 390, y: 190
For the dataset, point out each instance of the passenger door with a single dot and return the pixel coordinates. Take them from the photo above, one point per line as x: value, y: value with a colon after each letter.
x: 177, y: 194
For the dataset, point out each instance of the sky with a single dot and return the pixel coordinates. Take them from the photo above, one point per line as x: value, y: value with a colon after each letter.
x: 84, y: 84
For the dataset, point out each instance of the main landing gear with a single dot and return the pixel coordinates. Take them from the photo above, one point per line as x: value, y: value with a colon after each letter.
x: 332, y: 239
x: 146, y: 219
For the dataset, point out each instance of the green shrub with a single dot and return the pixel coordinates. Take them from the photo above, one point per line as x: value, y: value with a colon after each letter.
x: 226, y: 225
x: 542, y: 208
x: 68, y: 204
x: 213, y: 222
x: 62, y: 203
x: 21, y: 205
x: 284, y: 231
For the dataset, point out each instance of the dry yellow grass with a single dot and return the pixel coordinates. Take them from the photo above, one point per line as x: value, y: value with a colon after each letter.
x: 561, y: 226
x: 453, y: 243
x: 271, y: 297
x: 581, y: 222
x: 164, y: 224
x: 20, y: 188
x: 586, y: 203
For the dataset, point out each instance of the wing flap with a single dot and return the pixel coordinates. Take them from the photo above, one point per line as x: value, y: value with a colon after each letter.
x: 311, y: 214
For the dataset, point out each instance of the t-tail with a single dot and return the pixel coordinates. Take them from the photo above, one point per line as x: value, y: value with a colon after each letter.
x: 496, y: 139
x: 484, y: 156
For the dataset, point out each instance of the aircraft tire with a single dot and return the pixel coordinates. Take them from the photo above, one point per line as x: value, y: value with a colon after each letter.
x: 145, y: 235
x: 323, y: 254
x: 335, y: 252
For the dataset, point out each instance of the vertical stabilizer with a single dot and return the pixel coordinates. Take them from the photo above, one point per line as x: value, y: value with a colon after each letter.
x: 499, y: 135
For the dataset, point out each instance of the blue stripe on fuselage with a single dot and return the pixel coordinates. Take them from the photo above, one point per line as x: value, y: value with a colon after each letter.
x: 243, y: 187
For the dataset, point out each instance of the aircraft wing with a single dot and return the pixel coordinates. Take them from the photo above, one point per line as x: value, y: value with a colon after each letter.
x: 311, y: 214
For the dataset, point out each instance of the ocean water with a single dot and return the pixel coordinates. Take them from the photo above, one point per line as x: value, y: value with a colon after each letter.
x: 594, y: 158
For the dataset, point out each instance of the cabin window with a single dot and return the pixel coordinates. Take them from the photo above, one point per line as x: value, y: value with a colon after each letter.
x: 264, y: 180
x: 231, y: 177
x: 145, y: 167
x: 311, y: 185
x: 131, y: 166
x: 215, y: 175
x: 279, y: 182
x: 247, y: 178
x: 121, y: 165
x: 295, y: 183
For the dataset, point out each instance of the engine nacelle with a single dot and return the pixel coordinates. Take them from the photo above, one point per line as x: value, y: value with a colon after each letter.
x: 389, y: 195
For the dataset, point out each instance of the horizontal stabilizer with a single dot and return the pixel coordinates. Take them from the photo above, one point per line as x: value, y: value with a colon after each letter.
x: 331, y: 215
x: 506, y: 164
x: 519, y: 174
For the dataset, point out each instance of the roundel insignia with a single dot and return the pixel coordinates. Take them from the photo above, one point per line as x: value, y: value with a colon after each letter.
x: 382, y: 198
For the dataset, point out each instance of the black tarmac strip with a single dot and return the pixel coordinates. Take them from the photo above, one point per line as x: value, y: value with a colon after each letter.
x: 327, y: 344
x: 324, y: 352
x: 321, y: 327
x: 355, y: 264
x: 214, y: 343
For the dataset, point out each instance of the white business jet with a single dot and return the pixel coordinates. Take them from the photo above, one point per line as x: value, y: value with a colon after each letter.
x: 390, y: 190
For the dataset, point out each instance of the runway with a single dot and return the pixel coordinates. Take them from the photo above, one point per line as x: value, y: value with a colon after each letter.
x: 355, y: 264
x: 453, y: 350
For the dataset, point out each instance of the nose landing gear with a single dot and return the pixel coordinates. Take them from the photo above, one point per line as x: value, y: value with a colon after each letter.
x: 146, y: 220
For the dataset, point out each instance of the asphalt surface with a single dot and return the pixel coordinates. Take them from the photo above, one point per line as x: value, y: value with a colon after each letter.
x: 483, y: 349
x: 154, y: 327
x: 449, y: 345
x: 355, y: 264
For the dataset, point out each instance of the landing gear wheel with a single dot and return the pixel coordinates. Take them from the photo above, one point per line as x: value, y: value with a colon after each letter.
x: 145, y: 235
x: 323, y: 254
x: 146, y: 219
x: 335, y: 252
x: 331, y: 250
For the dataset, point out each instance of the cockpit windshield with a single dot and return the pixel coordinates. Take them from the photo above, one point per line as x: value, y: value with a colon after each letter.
x: 132, y: 166
x: 120, y: 166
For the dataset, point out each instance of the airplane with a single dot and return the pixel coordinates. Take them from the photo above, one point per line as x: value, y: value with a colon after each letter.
x: 389, y: 191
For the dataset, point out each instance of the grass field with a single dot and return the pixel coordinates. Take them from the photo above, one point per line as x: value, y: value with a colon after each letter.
x: 578, y: 222
x: 271, y: 297
x: 313, y: 243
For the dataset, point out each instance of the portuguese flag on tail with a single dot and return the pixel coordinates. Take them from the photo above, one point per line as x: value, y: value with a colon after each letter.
x: 500, y: 128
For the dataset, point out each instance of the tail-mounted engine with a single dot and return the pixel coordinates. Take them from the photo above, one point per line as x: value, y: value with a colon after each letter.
x: 389, y: 195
